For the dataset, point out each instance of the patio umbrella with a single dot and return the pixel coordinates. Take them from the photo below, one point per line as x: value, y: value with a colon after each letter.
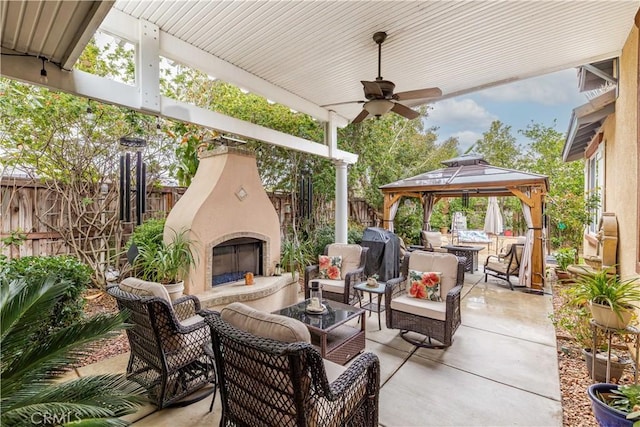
x: 493, y: 218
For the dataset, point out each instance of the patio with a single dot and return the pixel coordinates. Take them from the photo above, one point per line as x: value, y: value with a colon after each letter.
x: 501, y: 369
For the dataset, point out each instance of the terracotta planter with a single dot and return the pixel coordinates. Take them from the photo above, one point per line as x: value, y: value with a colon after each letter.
x: 604, y: 315
x: 175, y: 290
x: 564, y: 276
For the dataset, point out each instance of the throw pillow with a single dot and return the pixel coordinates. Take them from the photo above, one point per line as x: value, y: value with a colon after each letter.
x: 329, y: 267
x: 424, y: 285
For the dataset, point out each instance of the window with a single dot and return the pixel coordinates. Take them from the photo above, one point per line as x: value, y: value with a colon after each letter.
x: 594, y: 182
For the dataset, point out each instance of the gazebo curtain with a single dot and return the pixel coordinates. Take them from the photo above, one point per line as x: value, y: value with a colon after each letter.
x: 393, y: 210
x: 525, y: 265
x: 428, y: 208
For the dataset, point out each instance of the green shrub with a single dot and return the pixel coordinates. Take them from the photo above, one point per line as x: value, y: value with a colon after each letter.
x: 325, y: 235
x: 149, y: 233
x: 62, y: 268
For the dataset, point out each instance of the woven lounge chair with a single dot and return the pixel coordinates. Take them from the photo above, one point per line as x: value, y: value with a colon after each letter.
x: 504, y: 266
x: 167, y: 343
x: 436, y: 319
x: 354, y: 258
x: 284, y: 382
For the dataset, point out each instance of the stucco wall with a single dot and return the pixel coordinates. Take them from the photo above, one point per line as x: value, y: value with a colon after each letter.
x: 621, y: 158
x: 225, y: 200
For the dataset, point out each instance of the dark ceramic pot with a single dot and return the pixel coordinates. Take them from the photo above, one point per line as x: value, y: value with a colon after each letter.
x: 606, y: 415
x: 617, y: 368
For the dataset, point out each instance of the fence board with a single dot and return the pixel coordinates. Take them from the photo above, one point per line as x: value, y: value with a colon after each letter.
x: 28, y: 206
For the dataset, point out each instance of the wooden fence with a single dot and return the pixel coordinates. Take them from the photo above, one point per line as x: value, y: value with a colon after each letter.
x: 23, y: 203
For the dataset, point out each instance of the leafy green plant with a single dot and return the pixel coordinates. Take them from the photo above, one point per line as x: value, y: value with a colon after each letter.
x: 625, y: 398
x: 31, y: 391
x: 165, y: 263
x: 15, y: 238
x: 602, y: 288
x: 34, y: 269
x: 565, y: 257
x: 295, y: 255
x: 148, y: 233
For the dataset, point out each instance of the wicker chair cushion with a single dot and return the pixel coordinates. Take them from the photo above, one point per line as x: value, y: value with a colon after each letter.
x: 265, y: 325
x: 140, y: 287
x: 350, y: 256
x: 447, y: 264
x: 433, y: 238
x: 420, y: 307
x: 335, y: 286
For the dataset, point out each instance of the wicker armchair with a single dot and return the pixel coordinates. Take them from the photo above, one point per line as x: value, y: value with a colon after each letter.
x: 435, y: 319
x: 167, y: 343
x: 504, y: 266
x: 354, y: 258
x: 267, y: 382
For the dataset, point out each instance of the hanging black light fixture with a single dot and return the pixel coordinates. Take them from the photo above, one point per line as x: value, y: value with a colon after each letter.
x: 43, y: 73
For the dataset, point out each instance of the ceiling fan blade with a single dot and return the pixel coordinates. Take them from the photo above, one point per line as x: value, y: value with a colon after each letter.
x: 363, y: 115
x: 343, y: 103
x: 371, y: 88
x: 404, y: 111
x: 432, y: 92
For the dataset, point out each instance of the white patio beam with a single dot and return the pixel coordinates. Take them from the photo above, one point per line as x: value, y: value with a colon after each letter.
x: 99, y: 9
x: 123, y: 26
x: 27, y: 69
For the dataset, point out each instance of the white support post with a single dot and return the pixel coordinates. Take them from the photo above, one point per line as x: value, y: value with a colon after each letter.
x: 341, y: 226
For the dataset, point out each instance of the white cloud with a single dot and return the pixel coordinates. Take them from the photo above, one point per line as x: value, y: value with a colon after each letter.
x: 466, y: 139
x: 460, y: 111
x: 551, y: 89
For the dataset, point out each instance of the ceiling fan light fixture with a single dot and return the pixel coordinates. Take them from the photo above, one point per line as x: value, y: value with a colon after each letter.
x: 378, y: 107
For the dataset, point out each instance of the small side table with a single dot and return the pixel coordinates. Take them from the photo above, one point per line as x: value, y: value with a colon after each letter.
x: 609, y: 332
x: 371, y: 306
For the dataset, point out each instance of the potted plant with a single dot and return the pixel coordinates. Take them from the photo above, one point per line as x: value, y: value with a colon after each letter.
x: 564, y: 257
x: 166, y: 263
x: 575, y: 319
x: 614, y: 404
x: 611, y: 299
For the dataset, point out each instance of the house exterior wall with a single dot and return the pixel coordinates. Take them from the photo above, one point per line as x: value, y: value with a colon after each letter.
x: 620, y: 136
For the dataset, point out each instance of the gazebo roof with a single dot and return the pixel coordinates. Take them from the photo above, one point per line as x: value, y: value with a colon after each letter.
x: 469, y: 174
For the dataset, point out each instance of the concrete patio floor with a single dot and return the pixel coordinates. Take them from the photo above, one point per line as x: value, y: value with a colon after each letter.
x: 500, y: 370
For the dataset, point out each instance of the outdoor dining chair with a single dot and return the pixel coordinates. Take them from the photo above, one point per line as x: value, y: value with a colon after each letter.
x: 504, y: 266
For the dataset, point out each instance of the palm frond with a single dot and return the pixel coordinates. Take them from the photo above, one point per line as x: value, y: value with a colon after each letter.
x: 54, y: 355
x: 22, y: 305
x: 28, y: 368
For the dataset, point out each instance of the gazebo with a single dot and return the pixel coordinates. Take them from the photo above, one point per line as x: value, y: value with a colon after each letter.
x: 472, y: 176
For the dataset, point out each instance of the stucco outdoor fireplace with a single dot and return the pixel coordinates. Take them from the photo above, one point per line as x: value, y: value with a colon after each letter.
x: 231, y: 219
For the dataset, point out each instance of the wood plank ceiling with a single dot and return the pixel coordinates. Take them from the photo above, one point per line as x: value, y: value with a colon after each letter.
x: 320, y: 50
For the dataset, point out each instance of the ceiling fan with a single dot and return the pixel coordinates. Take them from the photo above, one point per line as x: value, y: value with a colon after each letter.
x: 380, y: 96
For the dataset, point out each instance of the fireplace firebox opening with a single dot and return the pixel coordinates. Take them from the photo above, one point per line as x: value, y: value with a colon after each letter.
x: 233, y: 258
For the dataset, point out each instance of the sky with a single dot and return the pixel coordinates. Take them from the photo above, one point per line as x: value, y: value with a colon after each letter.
x: 539, y: 99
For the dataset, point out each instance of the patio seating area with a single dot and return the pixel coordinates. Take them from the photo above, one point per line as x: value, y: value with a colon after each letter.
x: 501, y: 368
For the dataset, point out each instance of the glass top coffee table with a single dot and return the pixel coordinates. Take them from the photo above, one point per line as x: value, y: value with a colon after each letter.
x: 336, y: 340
